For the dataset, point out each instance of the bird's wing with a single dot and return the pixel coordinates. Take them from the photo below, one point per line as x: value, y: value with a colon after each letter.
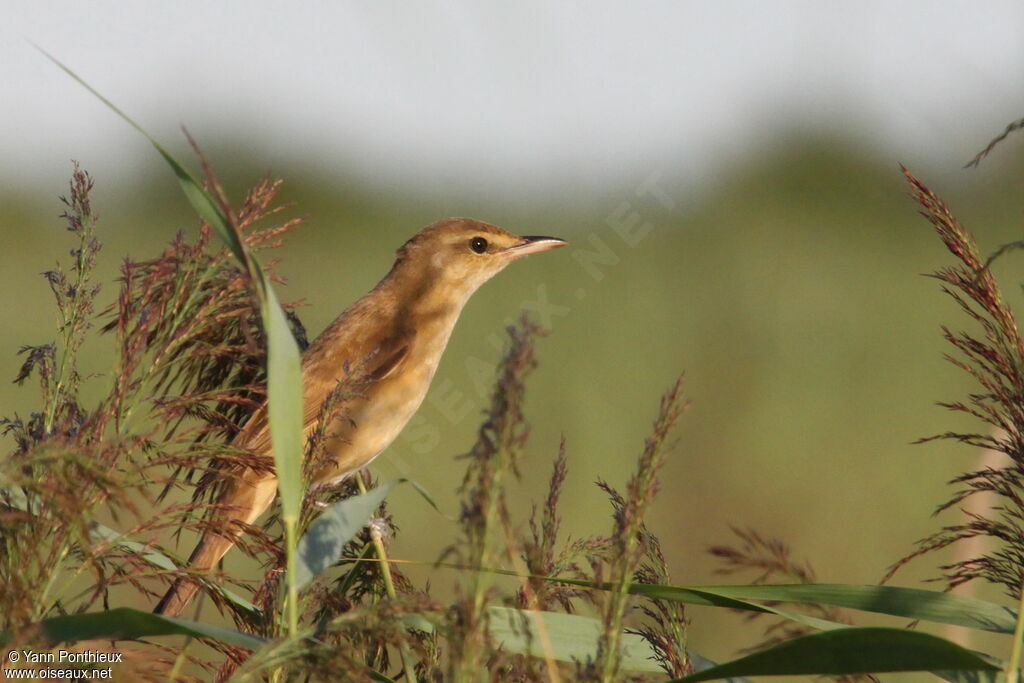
x: 365, y: 362
x: 389, y: 363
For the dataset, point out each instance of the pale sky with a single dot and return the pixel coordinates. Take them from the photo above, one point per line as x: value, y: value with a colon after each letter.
x: 522, y: 94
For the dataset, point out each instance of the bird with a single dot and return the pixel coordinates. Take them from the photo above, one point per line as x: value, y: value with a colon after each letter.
x: 396, y: 335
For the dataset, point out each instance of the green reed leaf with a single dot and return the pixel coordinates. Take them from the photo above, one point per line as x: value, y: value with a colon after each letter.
x: 851, y: 651
x: 125, y: 623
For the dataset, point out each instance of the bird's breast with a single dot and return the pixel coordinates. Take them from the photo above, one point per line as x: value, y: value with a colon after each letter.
x: 369, y: 424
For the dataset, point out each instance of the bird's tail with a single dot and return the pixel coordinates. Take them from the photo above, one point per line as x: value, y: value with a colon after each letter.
x: 241, y: 504
x: 212, y: 547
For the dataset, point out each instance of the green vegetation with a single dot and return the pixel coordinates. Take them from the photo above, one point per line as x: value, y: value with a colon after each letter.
x: 788, y: 295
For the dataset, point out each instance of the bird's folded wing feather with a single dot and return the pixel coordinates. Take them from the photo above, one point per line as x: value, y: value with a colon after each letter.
x: 321, y: 372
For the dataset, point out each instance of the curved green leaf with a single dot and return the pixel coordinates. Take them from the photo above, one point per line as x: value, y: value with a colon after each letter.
x: 201, y: 200
x: 320, y: 547
x: 284, y: 393
x: 564, y: 637
x: 425, y: 494
x: 698, y: 595
x: 101, y: 532
x: 913, y: 603
x: 284, y: 375
x: 689, y: 595
x: 571, y: 638
x: 161, y: 561
x: 125, y: 623
x: 701, y: 663
x: 104, y: 533
x: 968, y: 676
x: 851, y: 651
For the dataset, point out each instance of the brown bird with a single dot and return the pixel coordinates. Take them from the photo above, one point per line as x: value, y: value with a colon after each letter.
x: 395, y: 335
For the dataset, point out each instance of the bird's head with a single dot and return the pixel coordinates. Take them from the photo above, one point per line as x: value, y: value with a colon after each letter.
x: 460, y: 254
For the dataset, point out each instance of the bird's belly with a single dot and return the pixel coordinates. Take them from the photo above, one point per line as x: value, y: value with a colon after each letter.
x: 369, y: 425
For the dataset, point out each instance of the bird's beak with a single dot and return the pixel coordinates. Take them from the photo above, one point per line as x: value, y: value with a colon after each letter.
x: 533, y: 244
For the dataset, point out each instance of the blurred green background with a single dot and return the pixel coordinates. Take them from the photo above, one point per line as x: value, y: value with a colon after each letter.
x: 727, y: 175
x: 787, y: 289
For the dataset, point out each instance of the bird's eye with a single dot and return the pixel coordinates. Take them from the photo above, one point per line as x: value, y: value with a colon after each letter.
x: 478, y: 244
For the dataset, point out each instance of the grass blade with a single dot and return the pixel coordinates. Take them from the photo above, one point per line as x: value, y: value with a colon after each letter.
x: 913, y: 603
x: 125, y: 623
x: 284, y: 388
x: 102, y: 533
x: 695, y: 595
x: 702, y: 663
x: 201, y: 200
x: 425, y: 494
x: 284, y: 374
x: 161, y: 561
x: 283, y: 357
x: 573, y: 638
x: 851, y: 651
